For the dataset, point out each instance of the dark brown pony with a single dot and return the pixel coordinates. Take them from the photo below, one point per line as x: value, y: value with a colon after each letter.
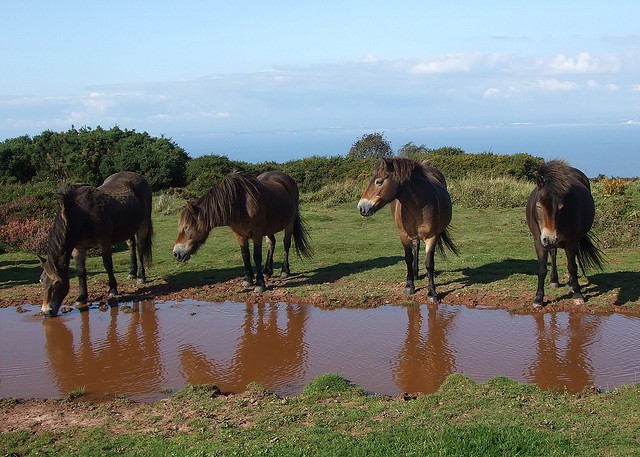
x: 421, y: 207
x: 560, y: 213
x: 253, y: 208
x: 97, y: 217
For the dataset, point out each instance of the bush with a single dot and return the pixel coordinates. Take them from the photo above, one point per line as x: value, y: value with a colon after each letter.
x: 480, y: 192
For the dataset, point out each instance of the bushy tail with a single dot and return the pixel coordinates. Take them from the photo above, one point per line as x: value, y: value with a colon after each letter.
x: 301, y: 238
x: 445, y: 240
x: 589, y: 254
x: 147, y: 245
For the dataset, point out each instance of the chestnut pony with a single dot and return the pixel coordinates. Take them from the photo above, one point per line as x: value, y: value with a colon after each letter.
x: 253, y: 207
x: 560, y: 212
x: 421, y: 207
x: 97, y: 217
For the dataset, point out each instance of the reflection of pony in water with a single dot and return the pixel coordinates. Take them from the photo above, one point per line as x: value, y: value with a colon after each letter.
x: 560, y: 213
x: 119, y: 359
x: 421, y: 207
x: 97, y: 217
x: 253, y: 208
x: 562, y: 357
x: 271, y: 351
x: 425, y: 360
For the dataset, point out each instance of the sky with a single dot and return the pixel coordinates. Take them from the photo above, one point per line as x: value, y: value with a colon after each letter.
x: 281, y: 80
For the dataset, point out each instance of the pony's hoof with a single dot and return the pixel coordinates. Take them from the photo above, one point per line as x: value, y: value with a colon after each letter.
x: 284, y: 275
x: 131, y: 276
x: 409, y: 290
x: 247, y: 283
x: 112, y: 293
x: 537, y: 306
x: 432, y: 299
x: 554, y: 285
x: 259, y: 289
x: 141, y: 281
x: 578, y: 301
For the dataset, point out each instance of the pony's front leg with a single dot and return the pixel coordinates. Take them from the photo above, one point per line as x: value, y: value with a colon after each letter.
x: 107, y: 261
x: 409, y: 287
x: 572, y: 266
x: 553, y: 282
x: 247, y: 281
x: 416, y: 257
x: 257, y: 260
x: 430, y: 251
x: 80, y: 257
x: 542, y: 253
x: 268, y: 264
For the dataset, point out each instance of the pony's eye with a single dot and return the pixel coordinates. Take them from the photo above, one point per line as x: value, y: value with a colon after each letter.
x: 379, y: 181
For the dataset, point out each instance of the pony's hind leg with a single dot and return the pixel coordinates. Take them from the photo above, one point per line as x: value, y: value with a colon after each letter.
x: 260, y: 285
x: 142, y: 272
x: 572, y: 266
x: 286, y: 269
x: 268, y: 264
x: 416, y: 258
x: 430, y: 250
x: 133, y: 261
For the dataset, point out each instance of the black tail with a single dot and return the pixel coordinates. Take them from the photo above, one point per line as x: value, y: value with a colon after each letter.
x: 589, y: 254
x: 147, y: 245
x: 445, y: 240
x: 301, y: 238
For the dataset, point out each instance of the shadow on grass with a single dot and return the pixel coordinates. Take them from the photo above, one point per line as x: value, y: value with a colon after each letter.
x: 599, y: 283
x: 20, y: 273
x: 335, y: 272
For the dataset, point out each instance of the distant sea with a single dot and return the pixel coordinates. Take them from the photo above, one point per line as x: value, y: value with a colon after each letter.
x: 597, y: 149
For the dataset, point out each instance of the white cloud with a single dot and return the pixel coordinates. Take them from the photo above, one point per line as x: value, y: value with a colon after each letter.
x: 450, y: 63
x: 555, y: 85
x: 584, y: 63
x: 636, y: 88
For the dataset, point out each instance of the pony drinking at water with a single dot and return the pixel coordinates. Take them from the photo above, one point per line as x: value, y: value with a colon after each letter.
x: 252, y: 207
x: 97, y: 218
x: 421, y: 208
x: 560, y: 212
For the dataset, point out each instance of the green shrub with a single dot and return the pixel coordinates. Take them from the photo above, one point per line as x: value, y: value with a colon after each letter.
x: 480, y: 192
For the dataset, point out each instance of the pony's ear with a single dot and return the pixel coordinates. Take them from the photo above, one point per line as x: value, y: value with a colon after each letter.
x: 388, y: 163
x: 540, y: 180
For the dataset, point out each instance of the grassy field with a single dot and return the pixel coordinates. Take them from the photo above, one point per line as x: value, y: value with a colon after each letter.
x: 357, y: 262
x: 332, y: 418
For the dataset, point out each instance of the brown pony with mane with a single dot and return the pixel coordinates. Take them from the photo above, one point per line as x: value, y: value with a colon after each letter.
x: 560, y: 213
x: 253, y: 207
x: 97, y: 218
x: 421, y: 207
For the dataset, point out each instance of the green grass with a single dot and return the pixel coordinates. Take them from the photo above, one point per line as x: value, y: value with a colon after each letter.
x: 496, y: 418
x: 358, y: 262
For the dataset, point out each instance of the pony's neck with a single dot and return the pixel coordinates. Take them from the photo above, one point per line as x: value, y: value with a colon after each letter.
x: 415, y: 192
x: 60, y: 244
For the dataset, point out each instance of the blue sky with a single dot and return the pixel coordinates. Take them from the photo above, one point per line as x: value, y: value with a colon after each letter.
x: 226, y: 78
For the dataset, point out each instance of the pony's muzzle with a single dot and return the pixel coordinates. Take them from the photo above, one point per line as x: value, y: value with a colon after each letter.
x: 366, y: 207
x: 50, y: 310
x: 181, y: 254
x: 548, y: 239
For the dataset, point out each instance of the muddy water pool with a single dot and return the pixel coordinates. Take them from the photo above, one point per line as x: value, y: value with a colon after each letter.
x: 148, y: 350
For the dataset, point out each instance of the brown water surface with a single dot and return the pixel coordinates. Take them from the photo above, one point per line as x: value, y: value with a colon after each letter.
x: 148, y: 350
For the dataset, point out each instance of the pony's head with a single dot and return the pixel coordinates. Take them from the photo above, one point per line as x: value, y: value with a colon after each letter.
x: 55, y: 285
x: 553, y: 184
x: 383, y: 188
x: 193, y: 231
